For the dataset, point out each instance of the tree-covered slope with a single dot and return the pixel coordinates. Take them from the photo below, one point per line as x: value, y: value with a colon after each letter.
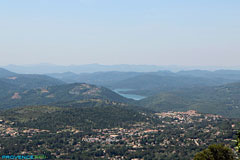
x: 84, y: 118
x: 97, y: 78
x: 5, y: 73
x: 231, y: 75
x: 6, y: 88
x: 31, y: 81
x: 151, y: 84
x: 59, y: 94
x: 223, y: 100
x: 26, y: 81
x: 109, y: 132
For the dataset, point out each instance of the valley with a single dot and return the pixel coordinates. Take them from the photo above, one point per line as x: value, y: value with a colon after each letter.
x: 119, y: 80
x: 176, y: 117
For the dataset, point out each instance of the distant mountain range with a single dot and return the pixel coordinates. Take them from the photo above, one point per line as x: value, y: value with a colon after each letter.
x: 151, y: 83
x: 215, y: 92
x: 98, y: 78
x: 90, y: 68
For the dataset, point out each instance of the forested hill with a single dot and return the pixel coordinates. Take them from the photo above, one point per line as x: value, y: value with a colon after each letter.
x: 59, y: 94
x: 6, y: 88
x: 84, y: 118
x: 151, y: 84
x: 98, y: 78
x: 223, y: 100
x: 223, y: 74
x: 5, y: 73
x: 26, y: 81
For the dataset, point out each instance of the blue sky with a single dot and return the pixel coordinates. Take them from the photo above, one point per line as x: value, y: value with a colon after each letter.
x: 169, y: 32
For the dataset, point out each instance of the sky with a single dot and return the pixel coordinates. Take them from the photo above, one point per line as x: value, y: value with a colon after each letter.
x: 153, y: 32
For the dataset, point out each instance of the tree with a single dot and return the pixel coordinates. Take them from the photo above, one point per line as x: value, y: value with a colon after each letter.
x: 238, y: 142
x: 215, y: 152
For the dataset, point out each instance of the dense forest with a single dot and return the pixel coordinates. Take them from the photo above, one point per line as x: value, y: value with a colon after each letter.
x: 222, y: 100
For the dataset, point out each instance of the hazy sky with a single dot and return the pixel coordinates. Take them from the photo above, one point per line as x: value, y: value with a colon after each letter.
x: 160, y: 32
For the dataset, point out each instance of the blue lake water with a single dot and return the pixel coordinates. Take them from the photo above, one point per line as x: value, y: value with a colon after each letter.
x: 131, y: 96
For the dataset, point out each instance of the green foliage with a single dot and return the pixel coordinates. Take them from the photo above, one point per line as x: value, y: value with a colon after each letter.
x: 12, y: 82
x: 60, y: 94
x: 172, y: 141
x: 215, y: 152
x: 5, y: 73
x: 222, y: 100
x: 84, y: 118
x: 97, y: 78
x: 30, y: 81
x: 151, y: 83
x: 81, y: 109
x: 238, y: 142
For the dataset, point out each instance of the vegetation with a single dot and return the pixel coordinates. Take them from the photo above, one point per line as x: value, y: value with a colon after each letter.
x: 149, y: 84
x: 5, y: 73
x: 84, y: 118
x: 222, y: 100
x: 215, y: 152
x: 11, y: 83
x: 83, y: 121
x: 97, y: 78
x: 152, y: 83
x: 59, y: 94
x: 110, y: 131
x: 27, y: 81
x: 238, y: 142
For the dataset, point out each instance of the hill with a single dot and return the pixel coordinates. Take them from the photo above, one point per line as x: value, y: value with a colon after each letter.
x: 153, y: 83
x: 232, y: 75
x: 31, y: 81
x: 45, y: 68
x: 5, y: 73
x: 11, y: 83
x: 59, y: 94
x: 26, y: 81
x: 83, y: 118
x: 6, y: 88
x: 97, y: 78
x: 87, y: 68
x: 222, y: 100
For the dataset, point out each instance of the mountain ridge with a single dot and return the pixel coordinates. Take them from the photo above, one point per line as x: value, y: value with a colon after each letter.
x: 222, y: 100
x: 60, y: 94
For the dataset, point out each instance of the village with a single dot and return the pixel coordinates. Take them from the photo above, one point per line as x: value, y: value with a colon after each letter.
x: 136, y: 133
x: 7, y: 130
x: 175, y: 130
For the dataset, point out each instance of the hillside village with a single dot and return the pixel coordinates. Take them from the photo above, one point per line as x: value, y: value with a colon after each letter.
x: 177, y: 132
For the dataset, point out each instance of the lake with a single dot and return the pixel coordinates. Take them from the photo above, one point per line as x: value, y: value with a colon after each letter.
x: 131, y: 96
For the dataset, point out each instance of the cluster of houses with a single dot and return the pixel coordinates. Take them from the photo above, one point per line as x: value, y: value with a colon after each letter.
x: 133, y: 135
x: 6, y: 130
